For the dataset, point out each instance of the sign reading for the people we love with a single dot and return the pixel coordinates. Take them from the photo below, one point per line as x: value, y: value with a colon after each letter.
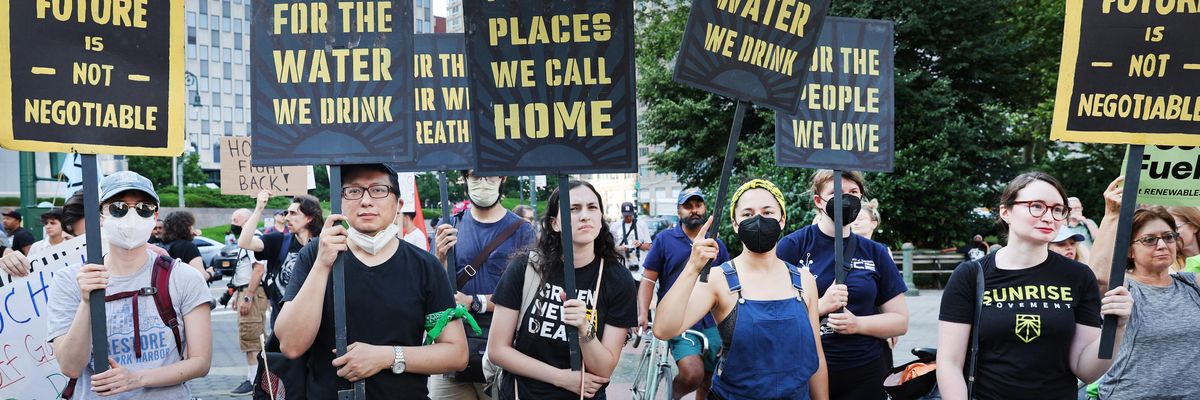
x: 845, y: 119
x: 1130, y: 73
x: 332, y: 81
x: 28, y: 369
x: 552, y: 86
x: 238, y: 176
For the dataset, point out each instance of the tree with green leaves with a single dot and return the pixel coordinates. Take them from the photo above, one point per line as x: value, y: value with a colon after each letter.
x: 158, y: 169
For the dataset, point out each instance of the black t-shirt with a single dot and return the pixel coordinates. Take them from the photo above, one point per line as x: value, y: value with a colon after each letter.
x: 281, y: 268
x: 21, y: 238
x: 386, y: 305
x: 183, y: 250
x: 541, y: 333
x: 1028, y: 322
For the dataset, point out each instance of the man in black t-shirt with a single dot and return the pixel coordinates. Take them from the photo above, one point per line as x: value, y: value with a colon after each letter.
x: 22, y: 239
x: 280, y: 250
x: 391, y: 286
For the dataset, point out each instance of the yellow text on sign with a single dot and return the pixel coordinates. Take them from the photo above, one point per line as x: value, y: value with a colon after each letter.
x: 750, y: 50
x: 789, y: 16
x: 545, y: 120
x: 127, y: 13
x: 845, y: 136
x: 307, y: 18
x: 555, y: 29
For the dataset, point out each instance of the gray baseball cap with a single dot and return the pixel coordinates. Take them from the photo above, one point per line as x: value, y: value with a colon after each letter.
x: 116, y: 183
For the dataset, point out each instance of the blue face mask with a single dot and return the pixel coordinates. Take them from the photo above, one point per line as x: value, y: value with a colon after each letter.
x: 759, y: 234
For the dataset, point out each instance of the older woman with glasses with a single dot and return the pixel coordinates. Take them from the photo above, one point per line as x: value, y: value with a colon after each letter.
x: 1039, y: 326
x: 1167, y: 309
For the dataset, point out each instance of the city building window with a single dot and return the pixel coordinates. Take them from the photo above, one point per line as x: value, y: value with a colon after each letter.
x: 203, y: 7
x: 237, y: 56
x: 228, y: 129
x: 203, y: 22
x: 214, y: 22
x: 191, y: 51
x: 238, y: 115
x: 226, y: 57
x: 203, y: 69
x: 225, y: 22
x: 228, y: 86
x: 214, y: 38
x: 191, y: 20
x: 237, y: 40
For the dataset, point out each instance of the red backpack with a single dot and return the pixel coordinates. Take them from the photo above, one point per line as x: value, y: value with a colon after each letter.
x: 160, y: 288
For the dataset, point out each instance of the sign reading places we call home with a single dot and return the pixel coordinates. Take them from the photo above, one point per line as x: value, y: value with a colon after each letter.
x: 93, y: 77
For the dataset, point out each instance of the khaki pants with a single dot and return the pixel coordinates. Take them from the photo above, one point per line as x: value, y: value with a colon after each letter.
x: 250, y: 326
x: 442, y: 388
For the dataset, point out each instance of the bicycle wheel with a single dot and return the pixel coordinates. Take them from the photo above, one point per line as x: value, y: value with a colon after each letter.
x: 639, y: 377
x: 666, y: 380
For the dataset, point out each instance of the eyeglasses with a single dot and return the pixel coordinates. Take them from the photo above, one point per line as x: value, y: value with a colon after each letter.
x: 480, y: 179
x: 1152, y: 241
x: 375, y: 191
x: 1038, y: 208
x: 119, y: 209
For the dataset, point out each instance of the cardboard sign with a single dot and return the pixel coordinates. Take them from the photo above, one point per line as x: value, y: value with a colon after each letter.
x: 552, y: 86
x: 1130, y: 73
x: 29, y: 370
x: 332, y: 81
x: 846, y: 116
x: 442, y: 108
x: 751, y: 50
x: 1170, y: 176
x: 239, y: 176
x: 75, y: 78
x: 408, y: 191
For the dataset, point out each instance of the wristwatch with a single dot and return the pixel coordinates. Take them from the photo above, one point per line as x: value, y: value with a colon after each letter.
x: 398, y: 362
x: 477, y: 306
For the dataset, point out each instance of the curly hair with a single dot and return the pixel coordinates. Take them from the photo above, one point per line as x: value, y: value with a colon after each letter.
x: 311, y: 207
x: 178, y: 226
x: 548, y: 254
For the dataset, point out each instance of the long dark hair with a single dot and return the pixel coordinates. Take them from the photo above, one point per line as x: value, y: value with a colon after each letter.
x: 178, y: 226
x: 549, y: 251
x: 311, y: 207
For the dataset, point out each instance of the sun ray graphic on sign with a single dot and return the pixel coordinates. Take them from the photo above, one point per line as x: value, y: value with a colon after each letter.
x: 1029, y: 327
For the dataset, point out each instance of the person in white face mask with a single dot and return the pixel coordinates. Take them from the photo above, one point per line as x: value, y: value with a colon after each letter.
x: 391, y: 287
x: 152, y: 353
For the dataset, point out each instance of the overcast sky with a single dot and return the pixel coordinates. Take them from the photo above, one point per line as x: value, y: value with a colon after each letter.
x: 439, y: 8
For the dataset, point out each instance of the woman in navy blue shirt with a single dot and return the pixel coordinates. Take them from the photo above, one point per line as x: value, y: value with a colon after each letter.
x: 864, y: 311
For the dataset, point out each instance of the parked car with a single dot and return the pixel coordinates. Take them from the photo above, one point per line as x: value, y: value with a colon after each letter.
x: 208, y: 248
x: 225, y: 262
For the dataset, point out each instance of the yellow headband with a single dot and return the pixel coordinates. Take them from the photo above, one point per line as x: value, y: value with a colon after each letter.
x: 757, y: 184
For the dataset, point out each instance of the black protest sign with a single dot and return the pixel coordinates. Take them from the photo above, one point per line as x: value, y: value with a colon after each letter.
x: 441, y: 112
x: 1130, y: 73
x: 753, y: 50
x: 332, y: 82
x: 552, y: 86
x: 845, y: 119
x: 92, y: 77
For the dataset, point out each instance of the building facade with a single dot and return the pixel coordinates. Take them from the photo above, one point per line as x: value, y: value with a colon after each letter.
x: 454, y: 19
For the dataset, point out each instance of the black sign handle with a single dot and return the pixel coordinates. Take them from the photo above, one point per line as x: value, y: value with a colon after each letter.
x: 358, y: 390
x: 564, y: 222
x: 839, y: 242
x: 451, y: 261
x: 1116, y: 276
x: 727, y: 168
x: 91, y: 213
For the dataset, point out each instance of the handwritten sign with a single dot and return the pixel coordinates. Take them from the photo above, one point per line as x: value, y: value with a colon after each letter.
x: 238, y: 176
x: 331, y: 81
x: 1130, y: 73
x: 442, y: 108
x: 751, y: 50
x: 552, y: 86
x: 92, y: 77
x: 28, y: 369
x: 846, y: 118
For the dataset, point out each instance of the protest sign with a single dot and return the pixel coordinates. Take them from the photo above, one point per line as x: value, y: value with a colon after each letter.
x: 29, y: 369
x: 1170, y: 176
x: 238, y: 176
x: 92, y: 77
x: 441, y: 110
x: 552, y: 86
x: 751, y: 50
x: 1130, y: 73
x: 845, y: 119
x: 332, y: 82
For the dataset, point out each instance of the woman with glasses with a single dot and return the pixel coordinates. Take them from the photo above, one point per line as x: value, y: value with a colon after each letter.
x: 1187, y: 223
x: 1151, y: 362
x: 1039, y: 329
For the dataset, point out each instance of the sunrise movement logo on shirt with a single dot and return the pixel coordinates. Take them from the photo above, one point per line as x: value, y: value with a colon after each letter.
x: 1029, y: 296
x: 1029, y: 327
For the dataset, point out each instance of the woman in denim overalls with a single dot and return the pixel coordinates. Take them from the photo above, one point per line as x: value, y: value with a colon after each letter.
x: 765, y: 308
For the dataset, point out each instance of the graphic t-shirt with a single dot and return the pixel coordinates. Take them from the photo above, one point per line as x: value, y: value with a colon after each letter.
x: 873, y: 280
x: 279, y: 268
x: 541, y: 334
x: 668, y: 257
x: 386, y: 305
x: 188, y: 291
x: 1027, y: 325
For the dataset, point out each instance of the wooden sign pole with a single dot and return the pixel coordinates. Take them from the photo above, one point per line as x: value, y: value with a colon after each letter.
x: 727, y: 168
x: 1116, y: 276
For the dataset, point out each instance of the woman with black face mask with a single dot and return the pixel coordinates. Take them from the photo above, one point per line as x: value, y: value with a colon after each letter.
x: 867, y: 309
x: 766, y: 309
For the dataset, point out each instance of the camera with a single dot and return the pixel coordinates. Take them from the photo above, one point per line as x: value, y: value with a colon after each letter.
x: 224, y: 300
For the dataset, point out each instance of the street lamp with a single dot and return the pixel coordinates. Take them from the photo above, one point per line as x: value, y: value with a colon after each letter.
x: 189, y: 80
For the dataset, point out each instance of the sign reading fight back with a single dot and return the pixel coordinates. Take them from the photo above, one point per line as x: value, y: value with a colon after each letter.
x: 442, y: 109
x: 552, y: 86
x: 753, y: 50
x: 845, y: 119
x: 239, y: 176
x: 332, y: 81
x: 92, y: 76
x: 1130, y: 73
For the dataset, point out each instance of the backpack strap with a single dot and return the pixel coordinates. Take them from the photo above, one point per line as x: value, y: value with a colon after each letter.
x: 975, y: 322
x: 160, y: 279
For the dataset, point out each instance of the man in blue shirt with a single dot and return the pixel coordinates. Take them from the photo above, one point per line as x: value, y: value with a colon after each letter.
x: 484, y: 237
x: 667, y: 257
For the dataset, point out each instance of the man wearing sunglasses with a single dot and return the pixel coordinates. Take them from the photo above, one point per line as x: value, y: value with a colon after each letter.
x: 483, y: 236
x: 149, y: 358
x: 391, y: 286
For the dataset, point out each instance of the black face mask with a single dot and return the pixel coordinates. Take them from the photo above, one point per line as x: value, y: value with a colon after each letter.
x: 237, y: 230
x: 851, y: 205
x: 759, y: 234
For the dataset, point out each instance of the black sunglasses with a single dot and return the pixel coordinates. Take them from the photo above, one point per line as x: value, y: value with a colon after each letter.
x: 119, y: 209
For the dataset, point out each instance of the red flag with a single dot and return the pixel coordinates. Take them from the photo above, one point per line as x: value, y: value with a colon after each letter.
x: 419, y: 219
